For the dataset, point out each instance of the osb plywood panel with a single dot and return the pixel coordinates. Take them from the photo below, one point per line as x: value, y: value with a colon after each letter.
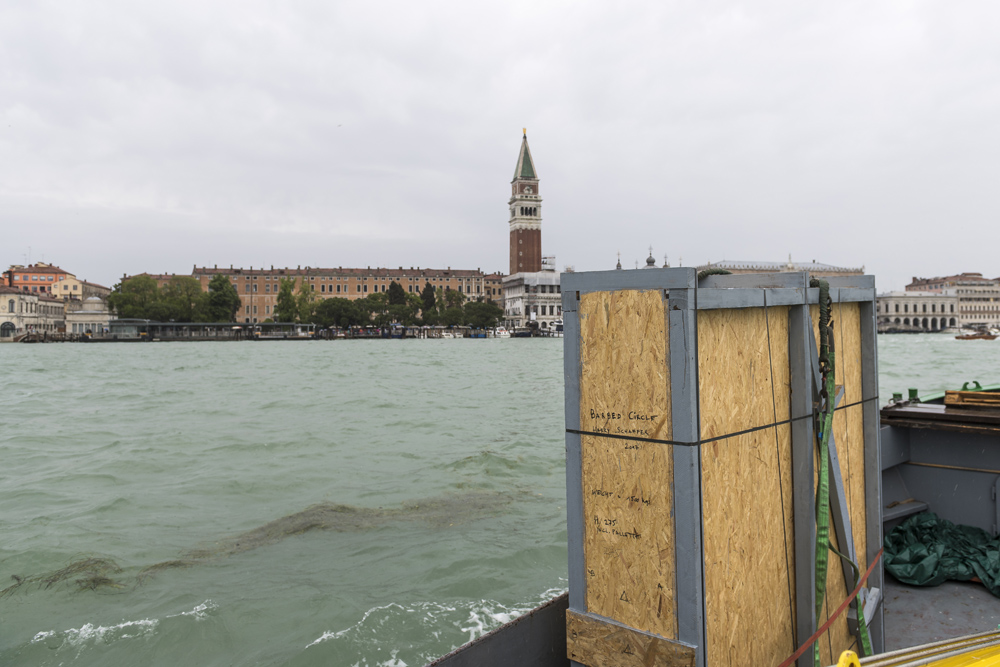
x: 848, y: 432
x: 743, y: 375
x: 627, y: 484
x: 597, y: 643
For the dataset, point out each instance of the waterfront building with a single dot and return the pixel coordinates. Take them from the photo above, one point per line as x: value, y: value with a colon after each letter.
x: 531, y: 290
x: 814, y: 269
x: 978, y: 297
x: 90, y: 315
x: 533, y: 297
x: 258, y: 287
x: 912, y: 311
x: 24, y: 311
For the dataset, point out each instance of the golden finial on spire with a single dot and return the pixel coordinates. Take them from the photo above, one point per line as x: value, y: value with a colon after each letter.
x: 525, y: 130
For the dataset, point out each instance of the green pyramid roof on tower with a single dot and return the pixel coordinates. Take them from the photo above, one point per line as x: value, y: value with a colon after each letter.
x: 525, y: 167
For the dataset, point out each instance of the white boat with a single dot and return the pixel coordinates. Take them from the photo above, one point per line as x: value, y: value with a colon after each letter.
x: 501, y: 332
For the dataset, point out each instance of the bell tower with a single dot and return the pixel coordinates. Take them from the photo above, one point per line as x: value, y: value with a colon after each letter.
x: 525, y: 215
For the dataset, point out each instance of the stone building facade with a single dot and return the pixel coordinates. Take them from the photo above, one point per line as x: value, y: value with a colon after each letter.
x: 25, y: 312
x: 916, y: 311
x: 90, y: 315
x: 534, y: 297
x: 978, y: 297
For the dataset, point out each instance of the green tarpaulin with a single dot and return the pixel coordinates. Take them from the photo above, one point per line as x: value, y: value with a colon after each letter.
x: 926, y: 550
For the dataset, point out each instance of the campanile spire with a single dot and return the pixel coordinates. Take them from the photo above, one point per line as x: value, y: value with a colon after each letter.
x: 525, y: 214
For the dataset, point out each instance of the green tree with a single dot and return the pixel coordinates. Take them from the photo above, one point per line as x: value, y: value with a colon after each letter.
x: 376, y: 308
x: 452, y: 316
x: 133, y: 297
x: 411, y: 310
x: 482, y: 314
x: 337, y: 312
x: 453, y: 298
x: 184, y: 300
x: 429, y: 304
x: 306, y: 301
x: 223, y: 301
x: 286, y: 308
x: 397, y: 295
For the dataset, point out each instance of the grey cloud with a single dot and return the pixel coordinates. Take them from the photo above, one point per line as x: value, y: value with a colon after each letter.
x: 153, y: 137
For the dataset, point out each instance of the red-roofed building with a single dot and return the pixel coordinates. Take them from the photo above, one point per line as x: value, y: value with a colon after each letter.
x: 40, y: 278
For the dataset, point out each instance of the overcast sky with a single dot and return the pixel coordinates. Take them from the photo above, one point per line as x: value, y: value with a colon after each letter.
x: 157, y: 136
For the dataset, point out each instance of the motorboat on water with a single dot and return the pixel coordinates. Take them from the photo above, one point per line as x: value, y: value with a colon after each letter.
x: 501, y: 332
x: 979, y: 335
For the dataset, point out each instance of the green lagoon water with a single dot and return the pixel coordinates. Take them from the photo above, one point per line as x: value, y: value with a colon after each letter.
x: 323, y: 503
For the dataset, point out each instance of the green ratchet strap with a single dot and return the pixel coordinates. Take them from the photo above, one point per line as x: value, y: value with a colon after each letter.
x: 827, y: 365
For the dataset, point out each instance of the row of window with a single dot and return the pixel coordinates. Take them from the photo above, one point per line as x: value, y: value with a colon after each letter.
x: 43, y: 279
x: 537, y: 310
x: 364, y: 289
x: 28, y: 307
x: 345, y: 278
x: 90, y: 327
x: 906, y: 307
x: 933, y: 324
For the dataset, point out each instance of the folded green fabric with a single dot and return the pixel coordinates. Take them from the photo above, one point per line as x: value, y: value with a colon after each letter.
x: 926, y: 550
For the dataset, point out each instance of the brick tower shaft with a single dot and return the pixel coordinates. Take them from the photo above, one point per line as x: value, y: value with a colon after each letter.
x: 525, y: 215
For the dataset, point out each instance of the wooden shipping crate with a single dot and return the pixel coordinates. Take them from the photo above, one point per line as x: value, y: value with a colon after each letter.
x: 692, y: 462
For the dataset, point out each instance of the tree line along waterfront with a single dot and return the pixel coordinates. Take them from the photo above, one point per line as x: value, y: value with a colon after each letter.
x: 182, y: 299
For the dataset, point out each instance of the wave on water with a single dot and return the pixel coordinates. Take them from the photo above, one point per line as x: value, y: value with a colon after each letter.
x: 78, y: 637
x: 399, y: 631
x: 94, y: 634
x: 200, y: 612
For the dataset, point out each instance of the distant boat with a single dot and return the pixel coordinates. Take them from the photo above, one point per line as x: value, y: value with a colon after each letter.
x: 501, y: 332
x: 976, y: 336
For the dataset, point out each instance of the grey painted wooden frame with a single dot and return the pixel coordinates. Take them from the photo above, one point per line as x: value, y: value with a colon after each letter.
x: 574, y: 456
x: 682, y: 315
